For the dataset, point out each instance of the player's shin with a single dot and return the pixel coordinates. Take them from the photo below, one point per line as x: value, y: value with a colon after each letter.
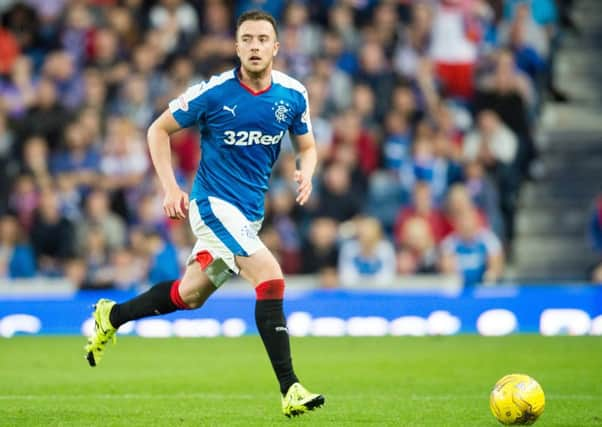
x: 162, y: 298
x: 271, y: 323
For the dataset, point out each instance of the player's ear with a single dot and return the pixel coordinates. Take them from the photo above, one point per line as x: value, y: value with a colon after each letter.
x: 276, y: 47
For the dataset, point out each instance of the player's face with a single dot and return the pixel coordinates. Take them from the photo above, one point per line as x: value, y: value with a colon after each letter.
x: 256, y: 45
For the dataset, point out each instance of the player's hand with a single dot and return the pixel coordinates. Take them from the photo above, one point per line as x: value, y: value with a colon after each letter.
x: 175, y: 204
x: 304, y: 188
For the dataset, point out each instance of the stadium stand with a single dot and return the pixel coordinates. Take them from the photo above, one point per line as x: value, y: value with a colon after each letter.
x: 407, y: 97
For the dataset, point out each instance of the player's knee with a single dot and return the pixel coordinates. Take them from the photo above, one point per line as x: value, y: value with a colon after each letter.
x: 260, y: 267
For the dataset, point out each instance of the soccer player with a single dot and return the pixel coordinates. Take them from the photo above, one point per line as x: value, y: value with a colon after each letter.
x: 243, y: 115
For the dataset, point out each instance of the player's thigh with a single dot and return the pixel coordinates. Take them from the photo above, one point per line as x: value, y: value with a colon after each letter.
x: 259, y: 267
x: 195, y: 286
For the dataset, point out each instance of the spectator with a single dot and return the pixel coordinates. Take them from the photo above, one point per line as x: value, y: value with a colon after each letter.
x: 492, y: 143
x: 97, y: 215
x: 76, y: 273
x: 24, y: 200
x: 340, y: 21
x: 96, y: 258
x: 319, y: 254
x: 364, y: 104
x: 484, y: 195
x: 415, y: 41
x: 149, y: 215
x: 507, y: 78
x: 177, y: 21
x: 338, y: 84
x: 417, y: 252
x: 78, y: 159
x: 422, y: 207
x: 18, y: 92
x: 7, y: 161
x: 472, y: 251
x: 507, y: 94
x: 528, y: 40
x: 126, y: 270
x: 350, y: 131
x: 16, y: 256
x: 376, y: 72
x: 123, y: 163
x: 346, y: 155
x: 121, y: 20
x: 134, y: 102
x: 495, y: 146
x: 61, y: 69
x: 216, y: 46
x: 105, y: 56
x: 296, y: 24
x: 282, y: 203
x: 403, y: 101
x: 336, y: 198
x: 163, y: 258
x: 453, y: 48
x: 69, y: 197
x: 52, y: 235
x: 368, y: 258
x: 46, y: 117
x: 35, y: 161
x: 397, y: 142
x: 385, y: 22
x: 322, y: 127
x: 183, y: 240
x: 95, y: 91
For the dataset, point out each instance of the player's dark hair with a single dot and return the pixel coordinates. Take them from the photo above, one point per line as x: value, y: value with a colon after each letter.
x: 257, y: 15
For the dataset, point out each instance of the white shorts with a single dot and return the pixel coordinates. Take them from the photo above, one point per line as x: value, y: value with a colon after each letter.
x: 221, y: 229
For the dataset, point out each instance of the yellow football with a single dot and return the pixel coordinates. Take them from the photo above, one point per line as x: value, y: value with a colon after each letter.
x: 517, y: 399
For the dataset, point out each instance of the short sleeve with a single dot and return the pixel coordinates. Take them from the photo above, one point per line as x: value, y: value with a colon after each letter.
x: 188, y: 108
x: 448, y: 246
x: 492, y: 243
x: 302, y: 121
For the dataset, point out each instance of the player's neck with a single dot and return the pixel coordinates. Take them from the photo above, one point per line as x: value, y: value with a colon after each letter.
x: 258, y: 82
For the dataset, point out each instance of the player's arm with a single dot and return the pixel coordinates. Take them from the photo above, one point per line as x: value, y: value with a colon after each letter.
x: 307, y: 160
x: 495, y: 268
x: 175, y: 204
x: 495, y: 259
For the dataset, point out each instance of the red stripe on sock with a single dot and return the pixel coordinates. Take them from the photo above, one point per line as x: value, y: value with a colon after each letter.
x: 204, y: 258
x: 270, y: 289
x: 174, y: 294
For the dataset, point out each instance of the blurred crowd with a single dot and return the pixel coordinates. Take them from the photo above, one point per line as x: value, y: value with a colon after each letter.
x: 424, y: 113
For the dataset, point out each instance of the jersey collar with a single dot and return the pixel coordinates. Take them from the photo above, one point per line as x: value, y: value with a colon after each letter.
x: 249, y: 89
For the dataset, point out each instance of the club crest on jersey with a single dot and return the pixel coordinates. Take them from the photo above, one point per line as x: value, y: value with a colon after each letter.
x: 281, y: 110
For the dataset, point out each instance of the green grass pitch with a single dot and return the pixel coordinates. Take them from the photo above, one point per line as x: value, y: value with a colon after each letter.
x: 433, y: 381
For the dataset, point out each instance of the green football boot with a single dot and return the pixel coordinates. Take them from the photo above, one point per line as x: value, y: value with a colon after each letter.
x: 103, y: 331
x: 298, y: 400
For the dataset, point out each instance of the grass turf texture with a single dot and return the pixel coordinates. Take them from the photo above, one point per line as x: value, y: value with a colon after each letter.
x: 434, y: 381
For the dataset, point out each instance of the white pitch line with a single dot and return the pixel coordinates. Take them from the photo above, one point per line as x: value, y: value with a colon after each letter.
x: 234, y: 396
x: 211, y: 396
x: 475, y: 396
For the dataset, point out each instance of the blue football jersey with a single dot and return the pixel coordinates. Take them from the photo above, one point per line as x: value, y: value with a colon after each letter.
x: 472, y: 255
x: 241, y: 133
